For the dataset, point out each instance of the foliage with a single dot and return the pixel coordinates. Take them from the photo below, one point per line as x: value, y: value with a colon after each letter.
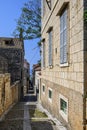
x: 29, y: 23
x: 39, y: 62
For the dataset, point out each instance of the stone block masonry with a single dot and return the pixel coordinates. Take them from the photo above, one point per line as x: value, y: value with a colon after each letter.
x: 64, y: 83
x: 8, y: 93
x: 12, y: 60
x: 13, y: 57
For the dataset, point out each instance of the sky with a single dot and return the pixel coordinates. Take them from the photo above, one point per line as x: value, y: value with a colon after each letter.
x: 10, y: 11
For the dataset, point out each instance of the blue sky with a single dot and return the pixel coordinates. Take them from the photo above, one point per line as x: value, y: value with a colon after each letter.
x: 10, y: 10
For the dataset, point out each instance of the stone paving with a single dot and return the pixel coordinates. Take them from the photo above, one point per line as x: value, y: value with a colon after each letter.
x: 20, y: 118
x: 14, y: 118
x: 26, y: 123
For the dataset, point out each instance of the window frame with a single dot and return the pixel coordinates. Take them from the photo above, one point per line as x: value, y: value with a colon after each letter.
x: 62, y: 113
x: 50, y: 47
x: 64, y: 34
x: 43, y: 54
x: 43, y: 85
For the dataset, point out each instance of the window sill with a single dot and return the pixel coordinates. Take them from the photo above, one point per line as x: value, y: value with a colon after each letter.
x: 50, y: 100
x: 64, y: 65
x: 43, y: 93
x: 65, y: 117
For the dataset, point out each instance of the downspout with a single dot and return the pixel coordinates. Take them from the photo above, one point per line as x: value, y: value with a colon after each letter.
x: 85, y: 64
x: 84, y: 113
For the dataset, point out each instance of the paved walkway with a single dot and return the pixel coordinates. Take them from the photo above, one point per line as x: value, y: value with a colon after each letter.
x: 22, y: 117
x: 59, y: 126
x: 14, y: 118
x: 26, y: 123
x: 49, y: 123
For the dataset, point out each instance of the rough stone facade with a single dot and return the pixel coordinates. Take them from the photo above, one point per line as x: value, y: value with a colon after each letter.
x: 26, y: 76
x: 3, y: 65
x: 8, y: 93
x: 67, y: 81
x: 12, y: 50
x: 12, y: 55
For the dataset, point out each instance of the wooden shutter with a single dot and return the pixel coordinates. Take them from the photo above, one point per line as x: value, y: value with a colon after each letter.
x: 50, y: 47
x: 43, y: 54
x: 61, y: 39
x: 65, y: 37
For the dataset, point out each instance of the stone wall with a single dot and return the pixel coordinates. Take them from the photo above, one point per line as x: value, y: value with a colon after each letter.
x: 8, y: 93
x: 3, y: 65
x: 68, y: 79
x: 15, y: 92
x: 26, y: 76
x: 70, y: 75
x: 12, y: 60
x: 85, y: 68
x: 75, y: 104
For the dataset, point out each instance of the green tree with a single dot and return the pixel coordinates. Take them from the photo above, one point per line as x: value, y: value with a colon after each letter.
x: 29, y: 22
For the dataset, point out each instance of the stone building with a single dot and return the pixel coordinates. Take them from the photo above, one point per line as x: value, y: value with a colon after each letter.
x: 3, y: 65
x: 26, y: 75
x: 64, y: 61
x: 12, y: 59
x: 35, y: 75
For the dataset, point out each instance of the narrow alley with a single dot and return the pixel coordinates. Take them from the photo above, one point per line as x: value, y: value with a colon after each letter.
x: 43, y: 65
x: 29, y: 115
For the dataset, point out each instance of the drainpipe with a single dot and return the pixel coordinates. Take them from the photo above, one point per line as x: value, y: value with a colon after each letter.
x: 85, y: 66
x: 84, y: 112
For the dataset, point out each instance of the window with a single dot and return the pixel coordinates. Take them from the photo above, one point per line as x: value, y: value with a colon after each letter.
x: 43, y: 88
x: 43, y: 53
x: 63, y: 107
x: 9, y: 42
x: 50, y: 48
x: 50, y: 94
x: 63, y: 37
